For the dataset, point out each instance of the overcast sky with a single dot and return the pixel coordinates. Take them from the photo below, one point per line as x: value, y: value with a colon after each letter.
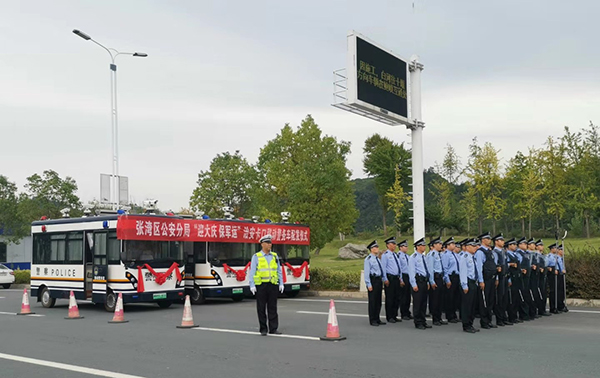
x: 227, y: 75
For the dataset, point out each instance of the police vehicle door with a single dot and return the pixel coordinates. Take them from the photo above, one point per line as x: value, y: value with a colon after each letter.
x: 100, y: 271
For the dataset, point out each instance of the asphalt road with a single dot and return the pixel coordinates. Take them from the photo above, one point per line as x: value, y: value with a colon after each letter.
x: 150, y: 345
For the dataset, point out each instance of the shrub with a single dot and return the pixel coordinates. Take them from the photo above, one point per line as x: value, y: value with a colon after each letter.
x: 22, y: 276
x: 330, y: 279
x: 583, y: 270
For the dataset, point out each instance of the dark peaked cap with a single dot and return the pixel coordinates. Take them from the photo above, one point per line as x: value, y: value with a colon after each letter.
x: 419, y: 242
x: 390, y: 240
x: 372, y: 244
x: 485, y: 235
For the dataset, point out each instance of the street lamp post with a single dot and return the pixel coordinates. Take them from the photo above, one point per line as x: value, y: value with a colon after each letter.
x: 115, y: 190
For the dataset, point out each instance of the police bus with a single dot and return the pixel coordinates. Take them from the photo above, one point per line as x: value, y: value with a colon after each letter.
x: 95, y: 257
x: 219, y: 260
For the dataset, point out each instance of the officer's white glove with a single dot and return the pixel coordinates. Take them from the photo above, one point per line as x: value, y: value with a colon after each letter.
x: 253, y: 290
x: 281, y: 289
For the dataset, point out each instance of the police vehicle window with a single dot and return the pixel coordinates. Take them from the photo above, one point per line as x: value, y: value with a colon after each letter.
x: 75, y: 247
x: 114, y: 245
x: 58, y: 244
x: 200, y: 252
x: 41, y: 249
x: 234, y: 254
x: 100, y: 249
x: 145, y: 251
x: 292, y: 252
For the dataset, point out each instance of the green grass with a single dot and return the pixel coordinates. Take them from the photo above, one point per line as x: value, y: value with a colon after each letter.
x: 328, y: 257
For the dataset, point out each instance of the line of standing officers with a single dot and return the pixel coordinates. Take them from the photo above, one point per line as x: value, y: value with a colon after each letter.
x: 484, y: 277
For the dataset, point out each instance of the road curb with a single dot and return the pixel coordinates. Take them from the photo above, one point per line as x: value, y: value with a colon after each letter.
x: 576, y: 302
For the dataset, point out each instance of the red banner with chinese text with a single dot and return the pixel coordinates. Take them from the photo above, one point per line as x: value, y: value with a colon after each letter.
x: 148, y: 227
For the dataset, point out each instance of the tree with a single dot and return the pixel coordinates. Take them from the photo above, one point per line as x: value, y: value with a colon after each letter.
x: 47, y: 195
x: 484, y: 173
x: 305, y: 173
x: 444, y: 187
x: 469, y: 205
x: 382, y: 158
x: 230, y: 181
x: 554, y: 181
x: 397, y: 200
x: 12, y: 225
x: 523, y: 185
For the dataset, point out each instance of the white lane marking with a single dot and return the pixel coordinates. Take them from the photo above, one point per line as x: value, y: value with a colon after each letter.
x: 326, y: 313
x: 15, y: 314
x: 324, y: 300
x: 256, y: 333
x: 75, y: 368
x: 2, y: 297
x: 586, y: 311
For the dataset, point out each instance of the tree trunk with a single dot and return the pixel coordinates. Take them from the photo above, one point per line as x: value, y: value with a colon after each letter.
x: 468, y: 227
x: 317, y: 251
x: 587, y: 225
x: 543, y: 224
x: 522, y: 226
x: 557, y: 223
x: 384, y: 224
x: 480, y: 225
x: 530, y: 227
x: 494, y: 226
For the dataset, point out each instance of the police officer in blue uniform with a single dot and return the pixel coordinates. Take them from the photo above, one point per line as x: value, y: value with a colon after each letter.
x: 514, y: 272
x: 375, y: 278
x: 405, y: 289
x: 469, y: 282
x: 488, y: 269
x: 503, y: 281
x: 436, y: 281
x: 562, y: 271
x: 391, y: 263
x: 542, y: 271
x: 451, y: 279
x: 533, y: 280
x: 419, y: 281
x: 552, y: 272
x: 525, y: 292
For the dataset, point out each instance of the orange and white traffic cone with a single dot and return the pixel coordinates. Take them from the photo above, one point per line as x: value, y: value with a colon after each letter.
x: 119, y: 316
x: 333, y: 329
x: 25, y: 308
x: 188, y: 320
x: 73, y: 309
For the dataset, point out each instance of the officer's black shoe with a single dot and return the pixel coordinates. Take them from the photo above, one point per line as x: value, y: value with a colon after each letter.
x: 509, y: 323
x: 428, y: 326
x: 391, y: 320
x: 406, y: 318
x: 470, y: 330
x: 263, y: 333
x: 398, y: 320
x: 437, y: 324
x: 565, y: 310
x: 411, y: 317
x: 381, y: 323
x: 444, y: 322
x: 420, y: 326
x: 476, y: 329
x: 555, y: 312
x: 500, y: 324
x: 546, y: 314
x: 485, y: 327
x: 375, y: 324
x: 275, y: 332
x: 454, y: 321
x: 493, y: 326
x: 538, y: 316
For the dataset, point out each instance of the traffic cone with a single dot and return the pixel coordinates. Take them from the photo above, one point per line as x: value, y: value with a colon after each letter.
x: 25, y: 308
x: 119, y: 316
x: 333, y: 329
x: 73, y: 309
x: 188, y: 320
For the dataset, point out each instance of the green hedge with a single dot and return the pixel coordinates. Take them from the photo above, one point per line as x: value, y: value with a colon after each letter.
x: 22, y: 276
x: 583, y: 273
x: 330, y: 279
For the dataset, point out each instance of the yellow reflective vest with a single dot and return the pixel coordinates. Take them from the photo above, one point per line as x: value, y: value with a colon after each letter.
x: 266, y: 272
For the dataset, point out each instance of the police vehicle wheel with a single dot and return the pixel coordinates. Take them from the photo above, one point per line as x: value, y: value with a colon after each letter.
x: 292, y: 294
x: 237, y: 298
x: 111, y: 302
x: 197, y: 297
x: 6, y: 286
x: 45, y: 298
x: 164, y: 304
